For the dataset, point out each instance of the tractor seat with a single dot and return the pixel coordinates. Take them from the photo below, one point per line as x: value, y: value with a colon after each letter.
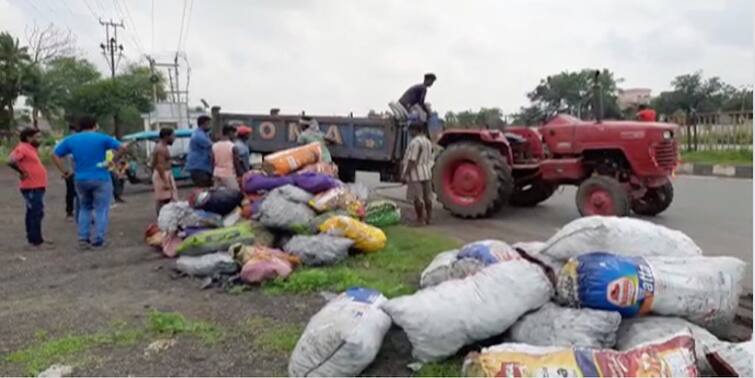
x: 514, y: 138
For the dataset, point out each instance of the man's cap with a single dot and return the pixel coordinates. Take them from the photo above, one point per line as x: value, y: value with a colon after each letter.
x: 430, y: 76
x: 243, y: 130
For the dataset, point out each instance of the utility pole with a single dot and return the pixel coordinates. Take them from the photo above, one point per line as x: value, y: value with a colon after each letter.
x: 110, y: 47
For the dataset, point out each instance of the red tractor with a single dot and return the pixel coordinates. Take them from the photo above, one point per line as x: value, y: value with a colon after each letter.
x: 617, y: 166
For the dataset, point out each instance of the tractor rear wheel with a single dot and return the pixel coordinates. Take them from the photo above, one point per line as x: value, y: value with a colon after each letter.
x: 602, y: 195
x: 472, y: 180
x: 531, y: 194
x: 655, y: 200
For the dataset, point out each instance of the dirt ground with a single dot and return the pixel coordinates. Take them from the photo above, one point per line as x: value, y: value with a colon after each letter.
x: 64, y: 291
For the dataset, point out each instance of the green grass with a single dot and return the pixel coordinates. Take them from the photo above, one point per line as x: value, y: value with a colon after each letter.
x: 448, y: 368
x: 272, y: 336
x: 173, y: 324
x: 393, y: 271
x: 732, y: 157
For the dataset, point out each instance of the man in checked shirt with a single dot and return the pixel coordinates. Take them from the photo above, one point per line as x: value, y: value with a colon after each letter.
x: 417, y: 173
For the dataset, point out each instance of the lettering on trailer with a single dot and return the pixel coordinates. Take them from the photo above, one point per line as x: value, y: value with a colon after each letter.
x: 331, y: 132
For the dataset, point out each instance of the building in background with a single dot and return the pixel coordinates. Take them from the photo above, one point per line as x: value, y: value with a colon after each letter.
x: 632, y: 97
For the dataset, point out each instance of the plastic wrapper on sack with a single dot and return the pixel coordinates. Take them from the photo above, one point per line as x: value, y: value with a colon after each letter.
x: 447, y: 266
x: 361, y: 191
x: 153, y: 236
x: 667, y: 357
x: 382, y: 213
x: 292, y: 193
x: 315, y: 182
x: 704, y: 290
x: 488, y: 251
x: 287, y: 161
x: 207, y: 265
x: 441, y: 319
x: 232, y: 218
x: 255, y: 182
x: 170, y: 244
x: 732, y: 359
x: 279, y: 212
x: 322, y: 167
x: 343, y: 338
x: 219, y: 200
x: 366, y: 238
x: 329, y: 200
x: 178, y: 215
x: 319, y: 250
x: 621, y: 236
x: 553, y: 325
x: 321, y: 218
x: 262, y: 264
x: 638, y: 331
x: 217, y: 240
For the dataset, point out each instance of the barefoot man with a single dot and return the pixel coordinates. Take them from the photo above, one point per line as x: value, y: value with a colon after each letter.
x: 162, y: 177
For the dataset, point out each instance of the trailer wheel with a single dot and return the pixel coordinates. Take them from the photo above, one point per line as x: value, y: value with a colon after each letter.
x: 532, y: 194
x: 655, y: 200
x: 472, y: 180
x: 602, y: 195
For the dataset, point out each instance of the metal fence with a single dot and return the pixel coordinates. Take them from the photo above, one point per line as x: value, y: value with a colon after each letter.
x: 725, y: 131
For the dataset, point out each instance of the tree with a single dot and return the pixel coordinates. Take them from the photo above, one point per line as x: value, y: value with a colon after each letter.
x: 692, y: 92
x: 14, y: 76
x: 485, y: 117
x: 48, y: 43
x: 572, y: 92
x: 529, y: 116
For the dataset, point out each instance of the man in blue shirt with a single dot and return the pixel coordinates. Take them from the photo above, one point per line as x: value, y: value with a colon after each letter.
x: 199, y: 160
x: 93, y: 184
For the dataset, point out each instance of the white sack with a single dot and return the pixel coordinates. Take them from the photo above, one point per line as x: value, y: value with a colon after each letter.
x: 553, y: 325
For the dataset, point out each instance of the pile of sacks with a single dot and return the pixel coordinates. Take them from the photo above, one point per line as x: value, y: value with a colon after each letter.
x: 603, y: 297
x: 280, y: 221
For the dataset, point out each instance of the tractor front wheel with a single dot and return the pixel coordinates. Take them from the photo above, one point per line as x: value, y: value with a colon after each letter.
x: 602, y: 195
x: 532, y: 194
x: 655, y: 200
x: 472, y: 180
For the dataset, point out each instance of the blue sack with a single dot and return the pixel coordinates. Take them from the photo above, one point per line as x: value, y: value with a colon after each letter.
x: 488, y: 252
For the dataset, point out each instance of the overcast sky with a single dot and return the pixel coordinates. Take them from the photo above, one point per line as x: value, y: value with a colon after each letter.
x: 337, y: 56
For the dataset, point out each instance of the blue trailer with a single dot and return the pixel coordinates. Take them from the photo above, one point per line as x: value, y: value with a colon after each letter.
x: 364, y: 144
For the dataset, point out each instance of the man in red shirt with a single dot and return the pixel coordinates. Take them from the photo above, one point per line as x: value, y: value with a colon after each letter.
x: 645, y: 114
x: 33, y: 182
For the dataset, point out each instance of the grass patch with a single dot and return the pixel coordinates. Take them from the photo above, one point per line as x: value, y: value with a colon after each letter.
x: 271, y: 336
x: 393, y: 271
x: 448, y: 368
x: 173, y: 324
x: 733, y: 157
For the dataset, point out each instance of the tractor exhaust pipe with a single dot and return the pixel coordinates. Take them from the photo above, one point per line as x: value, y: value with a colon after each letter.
x: 597, y: 97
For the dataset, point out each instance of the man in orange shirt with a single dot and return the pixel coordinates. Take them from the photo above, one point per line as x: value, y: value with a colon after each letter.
x: 645, y: 114
x: 33, y: 182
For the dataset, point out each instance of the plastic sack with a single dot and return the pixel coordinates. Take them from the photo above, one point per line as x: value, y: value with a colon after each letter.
x: 170, y: 244
x: 704, y: 290
x: 217, y: 240
x: 382, y: 213
x: 207, y: 265
x: 282, y: 210
x: 153, y: 236
x: 321, y: 218
x: 668, y: 357
x: 621, y: 236
x: 257, y: 182
x: 488, y: 251
x: 447, y: 266
x: 324, y: 168
x: 366, y: 238
x: 731, y: 359
x: 343, y: 338
x: 361, y: 191
x: 329, y: 200
x: 262, y: 264
x: 319, y: 250
x: 315, y: 182
x: 290, y: 160
x: 638, y: 331
x: 218, y: 200
x: 439, y: 320
x: 178, y: 215
x: 553, y: 325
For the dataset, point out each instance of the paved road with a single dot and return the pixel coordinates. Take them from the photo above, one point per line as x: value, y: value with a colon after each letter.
x: 715, y: 212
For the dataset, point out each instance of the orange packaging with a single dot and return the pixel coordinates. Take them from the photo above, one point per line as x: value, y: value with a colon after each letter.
x: 287, y: 161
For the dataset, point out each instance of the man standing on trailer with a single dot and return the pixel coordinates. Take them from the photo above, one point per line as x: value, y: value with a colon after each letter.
x: 413, y: 100
x: 417, y: 173
x: 645, y: 114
